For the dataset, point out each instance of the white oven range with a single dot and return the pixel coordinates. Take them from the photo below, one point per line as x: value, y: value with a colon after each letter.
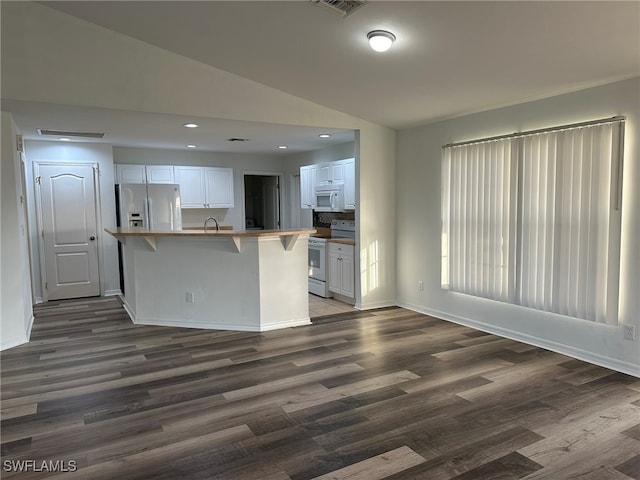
x: 318, y: 274
x: 318, y: 284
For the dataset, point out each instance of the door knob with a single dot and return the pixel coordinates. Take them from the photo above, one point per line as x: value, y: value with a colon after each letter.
x: 92, y: 238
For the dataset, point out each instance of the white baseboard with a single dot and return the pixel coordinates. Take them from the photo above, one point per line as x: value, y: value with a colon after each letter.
x: 30, y: 326
x: 219, y: 326
x: 13, y: 342
x: 596, y: 359
x: 287, y: 324
x: 112, y: 293
x: 128, y: 309
x: 39, y: 300
x: 372, y: 305
x: 19, y: 340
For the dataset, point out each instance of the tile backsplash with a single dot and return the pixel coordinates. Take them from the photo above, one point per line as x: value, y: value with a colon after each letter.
x: 323, y: 219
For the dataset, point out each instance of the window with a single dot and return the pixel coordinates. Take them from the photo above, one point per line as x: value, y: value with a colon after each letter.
x: 533, y: 219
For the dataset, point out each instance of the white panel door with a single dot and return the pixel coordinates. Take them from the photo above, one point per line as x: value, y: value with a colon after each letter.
x: 69, y: 230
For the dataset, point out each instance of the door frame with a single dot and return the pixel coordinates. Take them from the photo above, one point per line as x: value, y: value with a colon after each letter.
x: 263, y: 173
x: 39, y: 218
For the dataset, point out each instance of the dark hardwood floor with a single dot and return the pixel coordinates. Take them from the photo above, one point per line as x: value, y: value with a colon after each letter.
x: 367, y: 395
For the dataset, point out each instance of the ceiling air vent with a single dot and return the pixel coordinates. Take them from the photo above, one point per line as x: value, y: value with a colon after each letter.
x: 341, y: 7
x: 234, y: 139
x: 67, y: 133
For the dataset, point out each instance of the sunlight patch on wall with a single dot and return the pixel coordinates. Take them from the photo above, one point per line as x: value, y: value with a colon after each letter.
x: 369, y: 268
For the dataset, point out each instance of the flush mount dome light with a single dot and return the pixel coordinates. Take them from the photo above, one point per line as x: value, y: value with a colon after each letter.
x: 190, y: 125
x: 381, y: 40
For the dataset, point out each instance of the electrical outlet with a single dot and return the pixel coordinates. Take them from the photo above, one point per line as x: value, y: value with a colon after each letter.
x: 420, y: 285
x: 189, y: 297
x: 629, y: 331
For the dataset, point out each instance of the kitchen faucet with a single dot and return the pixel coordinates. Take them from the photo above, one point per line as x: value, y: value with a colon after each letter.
x: 215, y: 221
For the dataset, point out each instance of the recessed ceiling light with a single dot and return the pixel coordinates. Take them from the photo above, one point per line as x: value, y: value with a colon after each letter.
x: 191, y: 146
x: 64, y: 139
x: 282, y: 147
x: 381, y: 40
x: 191, y: 125
x: 325, y: 135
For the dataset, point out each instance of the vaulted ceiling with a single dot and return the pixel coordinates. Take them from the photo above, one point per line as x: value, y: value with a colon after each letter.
x: 450, y: 58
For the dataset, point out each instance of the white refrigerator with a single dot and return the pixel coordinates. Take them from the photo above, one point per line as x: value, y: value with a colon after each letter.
x: 152, y: 206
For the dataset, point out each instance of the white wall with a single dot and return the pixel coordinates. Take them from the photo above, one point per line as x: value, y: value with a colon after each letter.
x: 72, y: 152
x: 418, y: 239
x: 16, y: 314
x: 52, y: 57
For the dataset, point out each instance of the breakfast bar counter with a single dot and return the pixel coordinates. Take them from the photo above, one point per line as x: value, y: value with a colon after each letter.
x: 253, y: 280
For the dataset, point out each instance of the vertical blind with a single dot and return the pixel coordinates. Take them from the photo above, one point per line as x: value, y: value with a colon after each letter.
x: 532, y: 219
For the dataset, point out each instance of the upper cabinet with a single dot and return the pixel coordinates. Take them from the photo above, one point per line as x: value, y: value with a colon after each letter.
x: 340, y: 172
x: 308, y: 180
x: 192, y: 189
x: 144, y: 173
x: 349, y: 183
x: 219, y: 187
x: 160, y: 174
x: 331, y: 173
x: 205, y: 187
x: 130, y: 174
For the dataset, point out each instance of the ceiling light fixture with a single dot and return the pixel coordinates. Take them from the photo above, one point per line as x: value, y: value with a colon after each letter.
x: 64, y: 139
x: 325, y: 135
x: 381, y: 40
x: 191, y: 125
x: 282, y: 147
x: 191, y: 146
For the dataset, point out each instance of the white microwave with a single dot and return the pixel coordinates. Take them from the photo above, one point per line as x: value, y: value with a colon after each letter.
x: 329, y: 198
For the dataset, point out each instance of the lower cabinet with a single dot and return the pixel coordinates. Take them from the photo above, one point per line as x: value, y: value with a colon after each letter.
x: 341, y: 269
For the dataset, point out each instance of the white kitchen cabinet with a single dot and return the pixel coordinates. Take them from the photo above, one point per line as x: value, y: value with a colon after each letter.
x: 341, y: 269
x: 160, y: 174
x: 192, y: 188
x: 308, y: 180
x: 144, y: 173
x: 331, y: 173
x: 205, y: 187
x: 340, y: 172
x: 130, y: 173
x: 349, y: 183
x: 219, y: 187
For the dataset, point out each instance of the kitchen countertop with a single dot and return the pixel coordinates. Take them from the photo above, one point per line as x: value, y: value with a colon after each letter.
x: 345, y: 241
x: 144, y: 232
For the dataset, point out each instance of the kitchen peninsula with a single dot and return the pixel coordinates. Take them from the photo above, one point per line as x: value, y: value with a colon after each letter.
x: 229, y: 279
